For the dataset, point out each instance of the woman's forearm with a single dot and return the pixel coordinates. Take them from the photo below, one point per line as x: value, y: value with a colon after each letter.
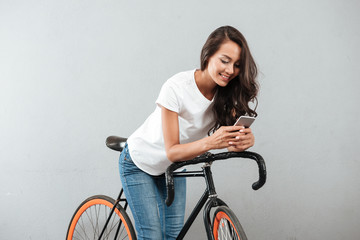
x: 187, y: 151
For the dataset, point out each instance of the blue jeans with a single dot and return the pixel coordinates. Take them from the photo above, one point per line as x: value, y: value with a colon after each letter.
x: 146, y: 196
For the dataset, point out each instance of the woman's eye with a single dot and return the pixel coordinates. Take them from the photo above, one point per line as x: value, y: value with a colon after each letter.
x: 223, y: 61
x: 237, y: 65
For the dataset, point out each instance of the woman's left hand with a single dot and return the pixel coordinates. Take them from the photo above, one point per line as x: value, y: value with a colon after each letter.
x: 245, y: 141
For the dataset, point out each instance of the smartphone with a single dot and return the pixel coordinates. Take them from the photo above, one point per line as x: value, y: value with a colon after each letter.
x: 245, y: 121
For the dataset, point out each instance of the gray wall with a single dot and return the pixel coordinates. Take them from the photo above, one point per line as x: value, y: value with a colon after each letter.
x: 74, y: 72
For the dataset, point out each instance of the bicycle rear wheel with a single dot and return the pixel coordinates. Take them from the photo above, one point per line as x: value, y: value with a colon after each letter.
x: 89, y: 220
x: 226, y: 225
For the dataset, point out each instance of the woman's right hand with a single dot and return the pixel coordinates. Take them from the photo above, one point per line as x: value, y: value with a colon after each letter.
x: 225, y: 136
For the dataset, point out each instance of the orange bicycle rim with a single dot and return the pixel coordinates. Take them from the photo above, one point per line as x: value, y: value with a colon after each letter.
x: 217, y: 220
x: 86, y: 206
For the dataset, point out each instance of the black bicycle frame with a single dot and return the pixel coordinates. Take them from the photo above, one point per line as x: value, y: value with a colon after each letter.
x: 209, y: 196
x: 119, y: 199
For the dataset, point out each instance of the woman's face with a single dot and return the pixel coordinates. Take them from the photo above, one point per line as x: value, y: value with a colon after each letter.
x: 223, y: 66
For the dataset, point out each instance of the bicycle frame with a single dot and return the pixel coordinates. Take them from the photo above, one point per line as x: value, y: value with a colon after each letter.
x: 118, y: 200
x: 209, y: 198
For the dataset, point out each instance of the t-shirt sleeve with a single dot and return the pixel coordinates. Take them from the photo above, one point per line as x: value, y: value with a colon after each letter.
x: 168, y: 97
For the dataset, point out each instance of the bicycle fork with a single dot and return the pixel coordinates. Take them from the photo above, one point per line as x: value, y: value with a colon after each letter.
x: 209, y: 197
x: 214, y: 201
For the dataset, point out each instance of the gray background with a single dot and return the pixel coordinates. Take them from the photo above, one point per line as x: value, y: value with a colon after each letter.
x: 74, y: 72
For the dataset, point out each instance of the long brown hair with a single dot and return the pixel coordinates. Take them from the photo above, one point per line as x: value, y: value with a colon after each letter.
x: 233, y: 100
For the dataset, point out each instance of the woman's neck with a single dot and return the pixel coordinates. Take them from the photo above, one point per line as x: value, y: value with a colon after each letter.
x: 205, y: 84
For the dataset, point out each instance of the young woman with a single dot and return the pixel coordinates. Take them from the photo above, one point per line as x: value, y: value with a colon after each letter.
x: 195, y: 113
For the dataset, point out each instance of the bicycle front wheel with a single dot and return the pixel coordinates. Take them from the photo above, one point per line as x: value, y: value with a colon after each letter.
x: 226, y: 225
x: 89, y: 220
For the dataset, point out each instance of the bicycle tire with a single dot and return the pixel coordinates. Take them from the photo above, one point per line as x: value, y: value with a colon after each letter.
x: 226, y: 226
x: 90, y: 217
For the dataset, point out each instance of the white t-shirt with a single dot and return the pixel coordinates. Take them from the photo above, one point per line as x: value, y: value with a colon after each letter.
x: 181, y: 95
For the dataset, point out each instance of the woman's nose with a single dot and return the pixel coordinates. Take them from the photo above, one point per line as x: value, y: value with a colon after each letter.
x: 230, y: 69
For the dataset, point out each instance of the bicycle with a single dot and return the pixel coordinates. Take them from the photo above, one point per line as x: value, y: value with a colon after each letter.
x: 95, y: 218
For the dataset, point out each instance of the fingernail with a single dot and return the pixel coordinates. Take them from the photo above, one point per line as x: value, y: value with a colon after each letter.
x: 242, y: 130
x: 237, y: 137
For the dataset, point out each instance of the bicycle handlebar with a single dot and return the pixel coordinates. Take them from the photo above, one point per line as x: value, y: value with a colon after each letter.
x: 209, y: 157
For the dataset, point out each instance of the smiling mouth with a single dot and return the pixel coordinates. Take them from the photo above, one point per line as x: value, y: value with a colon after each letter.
x: 225, y: 77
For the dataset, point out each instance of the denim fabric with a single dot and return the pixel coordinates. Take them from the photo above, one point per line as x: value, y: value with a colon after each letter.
x: 146, y: 196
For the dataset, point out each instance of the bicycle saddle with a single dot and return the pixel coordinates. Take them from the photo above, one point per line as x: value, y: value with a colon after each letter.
x: 116, y: 143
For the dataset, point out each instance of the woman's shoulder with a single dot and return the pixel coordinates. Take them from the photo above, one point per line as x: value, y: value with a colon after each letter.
x: 181, y: 78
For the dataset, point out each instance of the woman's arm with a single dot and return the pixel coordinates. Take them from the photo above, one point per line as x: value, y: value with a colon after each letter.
x: 224, y: 137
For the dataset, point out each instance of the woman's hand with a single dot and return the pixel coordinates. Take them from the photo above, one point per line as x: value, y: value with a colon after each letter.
x: 245, y: 141
x: 226, y: 136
